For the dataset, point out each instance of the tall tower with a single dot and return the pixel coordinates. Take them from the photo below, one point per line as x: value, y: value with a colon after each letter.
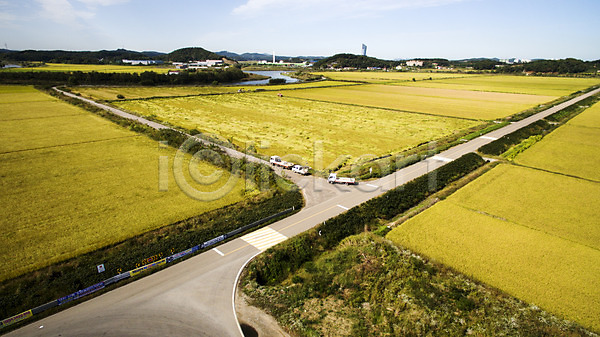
x: 273, y: 56
x: 364, y: 49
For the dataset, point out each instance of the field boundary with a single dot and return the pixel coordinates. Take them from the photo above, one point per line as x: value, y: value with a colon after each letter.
x: 255, y: 91
x: 389, y: 109
x: 70, y: 144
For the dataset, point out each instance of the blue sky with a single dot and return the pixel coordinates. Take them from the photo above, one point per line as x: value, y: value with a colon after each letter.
x: 391, y: 29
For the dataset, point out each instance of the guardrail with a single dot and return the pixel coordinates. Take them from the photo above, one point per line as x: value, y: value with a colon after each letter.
x: 135, y: 272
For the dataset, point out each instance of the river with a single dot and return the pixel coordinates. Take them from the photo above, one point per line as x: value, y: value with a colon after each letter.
x: 271, y: 74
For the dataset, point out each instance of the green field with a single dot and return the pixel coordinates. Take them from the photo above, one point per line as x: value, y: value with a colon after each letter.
x: 284, y: 125
x: 110, y: 93
x: 384, y: 77
x: 72, y: 182
x: 443, y: 102
x: 532, y: 85
x: 573, y: 149
x: 101, y: 68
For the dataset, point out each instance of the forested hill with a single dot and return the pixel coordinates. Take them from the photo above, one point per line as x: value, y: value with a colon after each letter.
x: 353, y: 61
x: 77, y: 57
x: 106, y: 56
x: 192, y: 54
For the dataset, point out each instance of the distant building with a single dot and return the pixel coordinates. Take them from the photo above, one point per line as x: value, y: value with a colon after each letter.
x: 515, y: 60
x: 141, y: 62
x: 364, y: 50
x: 198, y: 64
x: 414, y: 63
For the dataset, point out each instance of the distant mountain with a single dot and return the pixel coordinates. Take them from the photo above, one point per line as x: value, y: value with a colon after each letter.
x: 246, y: 56
x: 154, y: 54
x: 477, y: 59
x: 267, y: 57
x: 80, y: 57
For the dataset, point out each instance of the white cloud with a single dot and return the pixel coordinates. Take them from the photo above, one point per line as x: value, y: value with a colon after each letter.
x: 62, y: 11
x: 347, y: 7
x: 102, y: 2
x: 72, y: 11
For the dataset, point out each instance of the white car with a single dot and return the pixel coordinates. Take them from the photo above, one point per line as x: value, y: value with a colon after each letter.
x: 303, y: 170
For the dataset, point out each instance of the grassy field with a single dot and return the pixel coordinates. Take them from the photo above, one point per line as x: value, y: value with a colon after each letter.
x: 284, y: 125
x: 573, y: 149
x: 110, y: 93
x: 72, y: 182
x: 531, y: 233
x: 532, y: 85
x: 443, y: 102
x: 385, y: 77
x: 101, y: 68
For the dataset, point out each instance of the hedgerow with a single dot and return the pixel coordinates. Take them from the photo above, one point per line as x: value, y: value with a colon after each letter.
x: 505, y: 142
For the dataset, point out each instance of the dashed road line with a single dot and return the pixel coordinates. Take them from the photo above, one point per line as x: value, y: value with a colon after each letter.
x: 343, y: 207
x: 264, y: 238
x: 488, y: 137
x: 440, y: 158
x: 218, y: 251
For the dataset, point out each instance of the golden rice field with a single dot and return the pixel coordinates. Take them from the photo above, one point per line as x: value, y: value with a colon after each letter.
x: 101, y: 68
x: 110, y: 93
x: 572, y: 149
x: 531, y: 85
x: 72, y: 182
x: 286, y: 125
x: 530, y: 233
x: 385, y: 77
x: 443, y: 102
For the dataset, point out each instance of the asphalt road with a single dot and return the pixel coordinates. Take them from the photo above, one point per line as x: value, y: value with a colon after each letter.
x: 195, y: 297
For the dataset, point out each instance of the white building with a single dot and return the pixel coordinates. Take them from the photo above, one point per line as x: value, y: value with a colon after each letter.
x: 197, y: 64
x: 414, y: 63
x: 142, y: 62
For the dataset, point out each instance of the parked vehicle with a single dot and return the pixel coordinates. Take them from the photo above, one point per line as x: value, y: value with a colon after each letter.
x: 276, y: 161
x: 303, y: 170
x: 334, y: 179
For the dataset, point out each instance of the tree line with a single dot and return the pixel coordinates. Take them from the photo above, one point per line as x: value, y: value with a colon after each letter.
x: 147, y: 78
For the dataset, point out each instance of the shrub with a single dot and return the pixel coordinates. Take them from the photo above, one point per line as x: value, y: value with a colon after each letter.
x: 277, y: 81
x: 503, y: 143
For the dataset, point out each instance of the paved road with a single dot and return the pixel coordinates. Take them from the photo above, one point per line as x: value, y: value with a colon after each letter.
x: 194, y: 297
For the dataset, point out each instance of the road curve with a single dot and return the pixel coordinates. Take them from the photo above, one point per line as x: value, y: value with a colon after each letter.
x: 194, y: 297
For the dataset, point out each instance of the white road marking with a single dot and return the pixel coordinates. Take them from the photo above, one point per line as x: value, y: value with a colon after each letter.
x: 346, y: 208
x: 440, y: 158
x: 218, y: 251
x: 371, y: 185
x: 488, y: 137
x: 264, y: 238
